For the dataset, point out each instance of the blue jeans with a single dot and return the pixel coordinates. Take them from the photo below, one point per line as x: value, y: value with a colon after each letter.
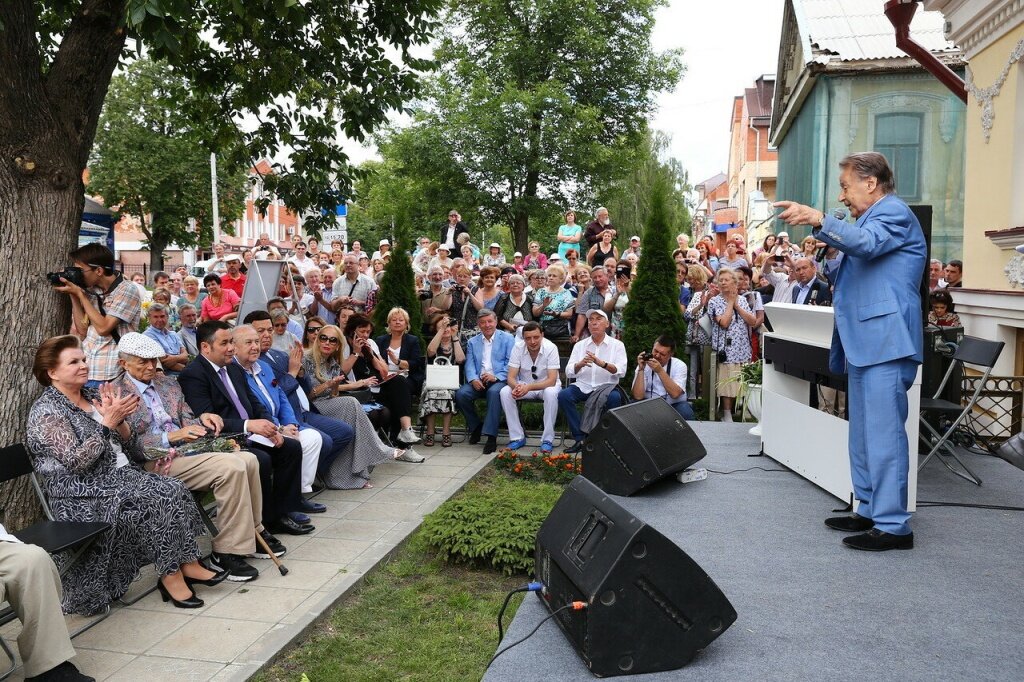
x: 685, y: 410
x: 464, y: 398
x: 570, y: 396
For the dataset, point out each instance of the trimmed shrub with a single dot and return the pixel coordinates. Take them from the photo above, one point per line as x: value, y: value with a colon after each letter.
x: 492, y: 523
x: 398, y: 288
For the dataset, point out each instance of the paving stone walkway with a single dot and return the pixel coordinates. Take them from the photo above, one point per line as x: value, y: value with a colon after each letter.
x: 242, y: 626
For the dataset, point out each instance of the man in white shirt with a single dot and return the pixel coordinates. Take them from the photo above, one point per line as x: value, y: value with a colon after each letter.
x: 322, y: 291
x: 217, y: 265
x: 659, y: 375
x: 301, y: 260
x: 352, y: 289
x: 532, y: 375
x: 595, y: 362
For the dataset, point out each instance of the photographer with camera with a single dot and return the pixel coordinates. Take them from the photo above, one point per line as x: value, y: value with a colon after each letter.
x: 104, y: 307
x: 659, y: 375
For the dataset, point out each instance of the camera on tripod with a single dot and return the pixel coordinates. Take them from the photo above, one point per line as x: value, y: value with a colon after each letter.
x: 70, y: 273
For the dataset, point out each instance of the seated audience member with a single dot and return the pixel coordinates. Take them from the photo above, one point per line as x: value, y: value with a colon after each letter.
x: 188, y: 316
x: 464, y: 305
x: 486, y: 372
x: 220, y: 303
x: 164, y: 420
x: 352, y: 287
x: 433, y: 401
x: 363, y: 361
x: 295, y: 324
x: 515, y: 308
x: 553, y: 304
x: 592, y: 298
x: 532, y: 375
x: 659, y: 375
x: 596, y: 363
x: 80, y: 443
x: 30, y: 583
x: 191, y: 293
x: 283, y: 339
x: 175, y: 356
x: 214, y: 383
x: 163, y: 296
x: 401, y: 350
x: 942, y: 307
x: 313, y: 327
x: 615, y: 306
x: 322, y: 295
x: 435, y: 300
x: 267, y: 390
x: 322, y: 365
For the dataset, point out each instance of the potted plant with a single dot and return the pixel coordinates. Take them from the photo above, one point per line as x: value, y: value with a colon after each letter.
x: 750, y: 380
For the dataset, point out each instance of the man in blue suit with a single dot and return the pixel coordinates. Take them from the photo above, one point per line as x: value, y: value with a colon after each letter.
x: 487, y: 357
x: 877, y: 340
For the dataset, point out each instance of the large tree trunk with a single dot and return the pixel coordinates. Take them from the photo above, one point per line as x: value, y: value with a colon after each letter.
x: 49, y: 125
x: 521, y: 229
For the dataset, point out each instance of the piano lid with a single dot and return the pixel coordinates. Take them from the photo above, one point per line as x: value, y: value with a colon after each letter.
x: 808, y: 324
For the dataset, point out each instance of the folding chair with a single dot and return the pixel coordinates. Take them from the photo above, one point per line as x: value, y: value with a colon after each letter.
x: 971, y: 351
x: 55, y: 537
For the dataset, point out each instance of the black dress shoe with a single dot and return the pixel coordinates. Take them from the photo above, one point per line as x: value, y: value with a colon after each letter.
x: 850, y: 524
x: 310, y: 507
x: 192, y: 602
x: 576, y: 447
x: 877, y: 541
x: 491, y: 445
x: 286, y: 525
x: 218, y: 577
x: 474, y: 437
x: 65, y: 672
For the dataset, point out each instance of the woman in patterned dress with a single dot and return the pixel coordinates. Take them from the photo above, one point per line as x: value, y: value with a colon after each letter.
x: 322, y: 363
x: 730, y: 336
x: 553, y: 304
x: 441, y: 400
x: 79, y: 439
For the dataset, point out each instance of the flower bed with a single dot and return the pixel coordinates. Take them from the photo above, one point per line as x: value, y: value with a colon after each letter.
x: 559, y: 469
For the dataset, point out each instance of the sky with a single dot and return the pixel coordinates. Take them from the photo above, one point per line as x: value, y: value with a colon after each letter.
x: 727, y: 44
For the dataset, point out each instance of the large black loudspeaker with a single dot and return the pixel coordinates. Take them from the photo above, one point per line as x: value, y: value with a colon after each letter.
x: 650, y: 606
x: 637, y: 444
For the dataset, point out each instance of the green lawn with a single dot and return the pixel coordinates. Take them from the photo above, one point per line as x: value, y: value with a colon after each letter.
x: 416, y: 618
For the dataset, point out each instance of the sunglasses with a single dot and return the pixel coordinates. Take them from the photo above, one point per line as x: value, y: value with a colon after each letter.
x: 313, y: 330
x: 281, y: 324
x: 333, y: 340
x: 533, y: 372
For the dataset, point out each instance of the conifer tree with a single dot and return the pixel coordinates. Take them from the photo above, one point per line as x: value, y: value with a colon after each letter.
x: 398, y: 287
x: 653, y: 307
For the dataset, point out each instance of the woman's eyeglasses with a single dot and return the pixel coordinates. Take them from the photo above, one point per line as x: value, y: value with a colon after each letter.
x: 280, y: 325
x: 313, y: 330
x: 333, y: 340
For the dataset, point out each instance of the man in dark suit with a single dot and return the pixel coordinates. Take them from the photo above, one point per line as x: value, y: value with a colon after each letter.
x: 213, y: 383
x: 808, y: 288
x: 451, y: 230
x: 877, y: 341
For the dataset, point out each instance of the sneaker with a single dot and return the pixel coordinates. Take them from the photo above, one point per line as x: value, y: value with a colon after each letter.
x: 408, y: 455
x: 577, y: 446
x: 547, y: 446
x: 408, y: 437
x: 273, y: 543
x: 238, y: 570
x: 516, y: 444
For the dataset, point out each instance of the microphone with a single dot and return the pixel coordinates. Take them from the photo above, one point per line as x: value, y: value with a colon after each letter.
x: 839, y: 213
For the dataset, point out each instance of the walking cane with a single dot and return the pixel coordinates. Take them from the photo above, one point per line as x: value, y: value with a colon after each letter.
x: 273, y: 557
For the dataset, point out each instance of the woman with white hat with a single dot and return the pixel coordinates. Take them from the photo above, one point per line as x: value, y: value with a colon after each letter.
x: 494, y: 257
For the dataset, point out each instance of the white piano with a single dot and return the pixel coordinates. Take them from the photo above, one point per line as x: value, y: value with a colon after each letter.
x: 793, y: 433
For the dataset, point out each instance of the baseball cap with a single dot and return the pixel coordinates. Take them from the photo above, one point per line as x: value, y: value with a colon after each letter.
x: 597, y: 311
x: 634, y: 238
x: 231, y: 257
x: 141, y: 346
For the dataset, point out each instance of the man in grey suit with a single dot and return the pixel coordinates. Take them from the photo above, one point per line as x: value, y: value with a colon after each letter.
x: 877, y: 340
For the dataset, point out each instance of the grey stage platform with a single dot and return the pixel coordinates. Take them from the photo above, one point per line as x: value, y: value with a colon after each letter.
x: 812, y: 609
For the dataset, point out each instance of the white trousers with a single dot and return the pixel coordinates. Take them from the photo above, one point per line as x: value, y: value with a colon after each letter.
x: 311, y: 442
x: 515, y: 427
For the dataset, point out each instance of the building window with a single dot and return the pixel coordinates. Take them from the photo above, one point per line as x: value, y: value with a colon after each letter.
x: 898, y: 138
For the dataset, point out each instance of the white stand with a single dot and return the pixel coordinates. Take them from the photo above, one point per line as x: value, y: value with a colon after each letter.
x: 813, y: 443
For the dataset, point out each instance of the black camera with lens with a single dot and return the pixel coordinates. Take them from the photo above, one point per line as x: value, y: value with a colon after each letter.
x: 646, y: 357
x: 70, y: 273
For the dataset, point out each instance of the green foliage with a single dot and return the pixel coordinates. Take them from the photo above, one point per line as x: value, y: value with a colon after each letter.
x: 493, y: 525
x: 149, y: 161
x: 653, y: 307
x: 398, y: 287
x: 536, y: 466
x: 628, y: 198
x: 533, y: 105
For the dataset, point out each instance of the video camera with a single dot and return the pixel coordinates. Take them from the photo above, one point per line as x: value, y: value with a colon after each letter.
x: 70, y: 273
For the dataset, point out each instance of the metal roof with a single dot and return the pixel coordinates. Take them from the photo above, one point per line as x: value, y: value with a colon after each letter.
x: 854, y: 30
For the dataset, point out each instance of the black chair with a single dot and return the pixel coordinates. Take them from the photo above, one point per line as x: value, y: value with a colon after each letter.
x: 55, y: 537
x: 970, y: 351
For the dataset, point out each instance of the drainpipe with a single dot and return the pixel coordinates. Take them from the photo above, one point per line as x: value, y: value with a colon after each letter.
x: 900, y: 13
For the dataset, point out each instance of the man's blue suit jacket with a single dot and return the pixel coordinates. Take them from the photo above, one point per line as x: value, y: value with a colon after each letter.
x: 503, y: 342
x: 282, y: 409
x: 877, y: 298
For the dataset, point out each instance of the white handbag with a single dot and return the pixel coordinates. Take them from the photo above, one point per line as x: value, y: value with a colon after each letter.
x: 442, y: 376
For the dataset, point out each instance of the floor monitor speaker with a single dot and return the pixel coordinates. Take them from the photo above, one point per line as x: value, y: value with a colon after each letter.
x: 637, y: 444
x: 650, y: 606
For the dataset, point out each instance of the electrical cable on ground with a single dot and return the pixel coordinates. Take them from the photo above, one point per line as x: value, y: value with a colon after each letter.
x: 576, y: 606
x: 530, y: 587
x: 968, y: 505
x: 737, y: 471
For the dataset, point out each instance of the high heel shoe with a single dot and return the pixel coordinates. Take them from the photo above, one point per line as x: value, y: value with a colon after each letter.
x: 217, y: 579
x: 193, y: 602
